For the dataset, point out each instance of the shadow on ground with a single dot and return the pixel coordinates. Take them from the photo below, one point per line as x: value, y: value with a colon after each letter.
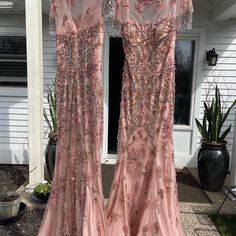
x: 189, y: 189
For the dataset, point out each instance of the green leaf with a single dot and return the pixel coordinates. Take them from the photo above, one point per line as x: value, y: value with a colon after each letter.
x: 204, y: 121
x: 207, y: 110
x: 51, y: 117
x: 222, y: 137
x: 211, y: 128
x: 217, y: 96
x: 52, y: 109
x: 47, y: 119
x: 217, y: 115
x: 208, y: 118
x: 202, y: 130
x: 214, y: 116
x: 218, y: 124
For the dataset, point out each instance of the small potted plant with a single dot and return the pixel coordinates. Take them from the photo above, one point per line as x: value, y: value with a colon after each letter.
x: 213, y: 157
x: 42, y: 191
x: 9, y: 204
x: 51, y: 120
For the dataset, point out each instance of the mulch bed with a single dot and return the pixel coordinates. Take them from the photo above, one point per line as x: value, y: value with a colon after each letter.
x: 12, y: 176
x: 27, y: 225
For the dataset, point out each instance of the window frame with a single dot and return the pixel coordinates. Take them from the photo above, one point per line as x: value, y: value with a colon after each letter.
x: 196, y: 34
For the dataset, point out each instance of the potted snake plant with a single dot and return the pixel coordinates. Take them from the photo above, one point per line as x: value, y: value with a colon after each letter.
x: 213, y: 157
x: 51, y: 120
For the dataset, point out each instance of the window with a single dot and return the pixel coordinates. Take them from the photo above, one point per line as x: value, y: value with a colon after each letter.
x: 184, y: 59
x: 185, y: 49
x: 13, y: 65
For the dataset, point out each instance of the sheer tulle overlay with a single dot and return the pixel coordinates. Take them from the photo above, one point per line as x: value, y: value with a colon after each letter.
x: 76, y: 205
x: 143, y: 199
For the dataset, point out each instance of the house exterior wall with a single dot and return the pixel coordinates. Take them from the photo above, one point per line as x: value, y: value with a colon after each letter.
x: 222, y: 37
x: 13, y: 106
x: 13, y: 100
x: 218, y: 35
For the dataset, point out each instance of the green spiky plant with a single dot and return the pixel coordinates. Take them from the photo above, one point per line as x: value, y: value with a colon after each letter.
x: 213, y: 120
x: 50, y: 117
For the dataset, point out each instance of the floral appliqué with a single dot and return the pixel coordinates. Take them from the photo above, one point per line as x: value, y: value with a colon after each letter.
x: 140, y: 4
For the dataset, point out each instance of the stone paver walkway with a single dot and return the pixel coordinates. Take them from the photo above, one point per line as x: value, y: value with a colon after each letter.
x: 195, y: 218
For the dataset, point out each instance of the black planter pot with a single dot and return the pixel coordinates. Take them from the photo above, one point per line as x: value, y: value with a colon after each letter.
x: 213, y: 165
x: 40, y: 197
x: 50, y: 156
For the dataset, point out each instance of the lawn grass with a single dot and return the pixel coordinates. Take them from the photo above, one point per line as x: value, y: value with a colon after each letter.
x: 226, y: 224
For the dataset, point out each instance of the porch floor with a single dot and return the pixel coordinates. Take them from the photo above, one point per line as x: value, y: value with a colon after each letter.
x: 195, y: 204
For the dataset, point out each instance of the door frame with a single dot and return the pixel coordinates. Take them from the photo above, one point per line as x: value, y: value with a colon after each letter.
x: 197, y: 34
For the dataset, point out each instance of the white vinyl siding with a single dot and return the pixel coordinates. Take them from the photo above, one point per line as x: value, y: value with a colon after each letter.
x: 13, y: 106
x: 13, y: 100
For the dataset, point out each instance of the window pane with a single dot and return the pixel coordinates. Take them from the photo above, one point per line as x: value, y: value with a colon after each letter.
x: 115, y: 81
x: 12, y: 45
x: 13, y: 66
x: 184, y: 59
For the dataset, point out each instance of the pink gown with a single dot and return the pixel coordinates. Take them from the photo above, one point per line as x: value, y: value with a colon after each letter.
x: 143, y: 199
x: 76, y: 204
